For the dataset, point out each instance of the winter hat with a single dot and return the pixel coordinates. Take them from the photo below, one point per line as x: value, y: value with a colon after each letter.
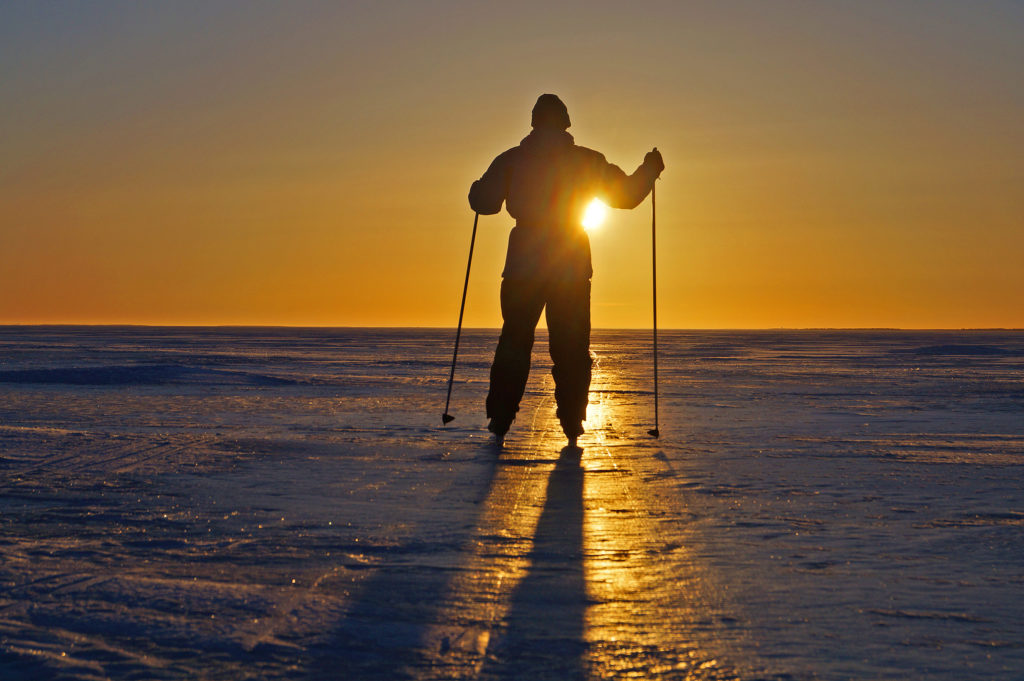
x: 550, y: 112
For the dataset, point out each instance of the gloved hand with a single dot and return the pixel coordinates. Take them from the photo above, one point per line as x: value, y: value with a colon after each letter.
x: 653, y: 160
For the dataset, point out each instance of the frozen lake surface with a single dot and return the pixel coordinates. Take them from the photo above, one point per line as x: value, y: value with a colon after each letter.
x: 283, y: 504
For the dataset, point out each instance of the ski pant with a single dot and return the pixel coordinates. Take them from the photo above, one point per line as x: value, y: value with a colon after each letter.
x: 567, y: 303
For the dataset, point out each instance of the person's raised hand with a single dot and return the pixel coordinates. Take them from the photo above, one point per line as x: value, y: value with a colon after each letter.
x: 654, y: 160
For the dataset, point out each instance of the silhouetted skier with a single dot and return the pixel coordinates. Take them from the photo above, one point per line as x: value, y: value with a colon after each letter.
x: 546, y: 183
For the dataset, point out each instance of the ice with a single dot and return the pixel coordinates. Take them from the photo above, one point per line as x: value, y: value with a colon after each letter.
x: 284, y: 503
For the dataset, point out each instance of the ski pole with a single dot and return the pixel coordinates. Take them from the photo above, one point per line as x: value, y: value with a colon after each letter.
x: 447, y: 418
x: 654, y: 279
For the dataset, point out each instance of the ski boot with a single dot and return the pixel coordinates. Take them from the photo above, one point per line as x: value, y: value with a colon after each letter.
x: 499, y: 426
x: 572, y: 432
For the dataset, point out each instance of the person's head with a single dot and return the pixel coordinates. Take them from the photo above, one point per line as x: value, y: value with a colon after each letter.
x: 550, y: 112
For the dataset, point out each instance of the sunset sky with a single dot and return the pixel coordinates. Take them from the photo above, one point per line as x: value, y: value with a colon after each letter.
x: 829, y: 164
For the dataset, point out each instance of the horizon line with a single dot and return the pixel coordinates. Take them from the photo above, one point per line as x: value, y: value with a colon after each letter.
x: 492, y: 328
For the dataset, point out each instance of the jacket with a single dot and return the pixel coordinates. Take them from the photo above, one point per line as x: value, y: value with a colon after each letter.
x: 546, y: 183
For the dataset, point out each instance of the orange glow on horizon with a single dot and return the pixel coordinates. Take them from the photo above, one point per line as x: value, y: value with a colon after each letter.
x: 159, y: 171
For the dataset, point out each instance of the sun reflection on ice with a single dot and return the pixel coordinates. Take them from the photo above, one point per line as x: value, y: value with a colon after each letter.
x: 648, y: 597
x: 583, y: 561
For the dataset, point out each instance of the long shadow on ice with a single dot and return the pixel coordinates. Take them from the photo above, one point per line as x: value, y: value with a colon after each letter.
x: 381, y: 632
x: 542, y: 634
x: 452, y: 616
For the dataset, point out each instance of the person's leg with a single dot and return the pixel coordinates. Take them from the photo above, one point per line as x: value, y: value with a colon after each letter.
x: 521, y: 304
x: 568, y: 317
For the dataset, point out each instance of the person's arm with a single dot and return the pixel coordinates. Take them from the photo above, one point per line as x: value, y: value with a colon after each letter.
x: 490, y: 191
x: 628, y: 191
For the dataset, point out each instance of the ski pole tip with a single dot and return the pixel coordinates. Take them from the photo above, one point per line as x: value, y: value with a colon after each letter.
x: 447, y: 418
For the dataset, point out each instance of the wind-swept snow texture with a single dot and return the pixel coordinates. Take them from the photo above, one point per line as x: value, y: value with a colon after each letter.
x: 283, y: 504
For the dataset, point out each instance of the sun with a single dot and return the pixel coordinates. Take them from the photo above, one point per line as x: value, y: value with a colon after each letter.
x: 594, y: 215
